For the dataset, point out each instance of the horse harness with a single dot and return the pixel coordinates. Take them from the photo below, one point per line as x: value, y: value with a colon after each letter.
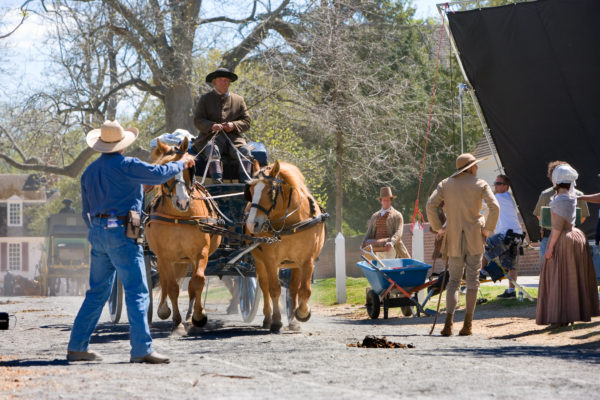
x: 205, y: 224
x: 276, y: 192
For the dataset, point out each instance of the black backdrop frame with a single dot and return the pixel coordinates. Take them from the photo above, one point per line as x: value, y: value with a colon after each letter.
x: 533, y: 67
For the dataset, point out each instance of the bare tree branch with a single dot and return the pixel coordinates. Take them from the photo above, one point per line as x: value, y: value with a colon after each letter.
x: 72, y: 170
x: 14, y: 144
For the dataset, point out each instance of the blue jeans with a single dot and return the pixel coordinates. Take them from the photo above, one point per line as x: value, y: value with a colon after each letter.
x: 543, y: 245
x: 113, y: 252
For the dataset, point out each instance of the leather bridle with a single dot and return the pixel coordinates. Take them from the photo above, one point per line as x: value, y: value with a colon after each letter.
x: 276, y: 191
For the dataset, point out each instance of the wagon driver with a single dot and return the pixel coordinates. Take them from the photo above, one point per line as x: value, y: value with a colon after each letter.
x: 384, y: 229
x: 221, y: 110
x: 465, y: 233
x: 111, y: 188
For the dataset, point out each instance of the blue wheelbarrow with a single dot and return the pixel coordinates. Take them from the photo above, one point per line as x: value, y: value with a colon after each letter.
x: 396, y: 283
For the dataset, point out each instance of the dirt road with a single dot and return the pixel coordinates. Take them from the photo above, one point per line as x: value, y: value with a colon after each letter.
x: 232, y: 360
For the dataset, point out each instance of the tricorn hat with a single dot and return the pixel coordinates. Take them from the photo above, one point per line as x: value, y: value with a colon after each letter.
x: 385, y: 192
x: 221, y: 72
x: 466, y: 161
x: 111, y: 137
x: 67, y: 202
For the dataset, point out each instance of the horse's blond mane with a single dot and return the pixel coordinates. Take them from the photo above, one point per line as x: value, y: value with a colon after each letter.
x: 293, y: 177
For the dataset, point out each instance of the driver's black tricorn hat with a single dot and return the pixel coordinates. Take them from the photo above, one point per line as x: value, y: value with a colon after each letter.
x: 221, y: 72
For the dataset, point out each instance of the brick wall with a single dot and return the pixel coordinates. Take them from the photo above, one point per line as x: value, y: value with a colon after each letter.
x: 325, y: 265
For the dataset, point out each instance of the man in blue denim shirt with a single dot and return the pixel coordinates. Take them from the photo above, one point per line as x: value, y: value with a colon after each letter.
x: 113, y: 184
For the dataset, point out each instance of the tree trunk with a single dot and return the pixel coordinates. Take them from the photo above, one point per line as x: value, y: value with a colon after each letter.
x: 178, y: 108
x: 339, y: 184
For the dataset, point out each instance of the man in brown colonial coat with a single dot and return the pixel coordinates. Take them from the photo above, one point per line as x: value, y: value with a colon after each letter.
x: 220, y: 110
x: 465, y: 232
x: 384, y: 230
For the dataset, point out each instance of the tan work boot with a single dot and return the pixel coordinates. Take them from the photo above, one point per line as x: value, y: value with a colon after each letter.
x: 152, y: 358
x: 467, y: 325
x: 447, y: 331
x: 86, y: 355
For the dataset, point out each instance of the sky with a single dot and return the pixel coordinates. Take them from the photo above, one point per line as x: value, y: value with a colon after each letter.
x: 25, y: 61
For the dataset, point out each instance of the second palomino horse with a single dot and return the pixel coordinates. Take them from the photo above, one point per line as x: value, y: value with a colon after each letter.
x: 281, y: 205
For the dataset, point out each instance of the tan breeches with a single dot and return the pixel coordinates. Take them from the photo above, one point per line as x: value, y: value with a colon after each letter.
x: 467, y: 264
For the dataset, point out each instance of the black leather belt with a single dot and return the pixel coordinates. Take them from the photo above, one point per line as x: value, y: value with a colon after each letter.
x: 546, y: 232
x: 123, y: 218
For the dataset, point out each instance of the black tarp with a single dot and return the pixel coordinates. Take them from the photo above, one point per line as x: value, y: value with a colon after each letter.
x: 535, y: 70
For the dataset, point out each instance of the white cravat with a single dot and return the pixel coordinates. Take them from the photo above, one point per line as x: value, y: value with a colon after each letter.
x: 382, y: 212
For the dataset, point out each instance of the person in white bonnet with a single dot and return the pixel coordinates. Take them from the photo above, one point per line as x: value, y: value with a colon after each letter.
x: 544, y: 201
x: 567, y: 288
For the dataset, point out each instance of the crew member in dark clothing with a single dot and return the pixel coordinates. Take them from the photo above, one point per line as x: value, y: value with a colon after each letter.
x: 67, y: 209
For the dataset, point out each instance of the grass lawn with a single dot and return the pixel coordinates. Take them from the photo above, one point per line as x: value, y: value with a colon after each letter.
x: 324, y: 293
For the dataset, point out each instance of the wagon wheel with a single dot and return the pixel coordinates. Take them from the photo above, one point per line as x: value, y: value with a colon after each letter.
x: 373, y: 304
x: 285, y: 276
x: 115, y: 301
x: 286, y: 299
x: 150, y: 262
x: 249, y: 295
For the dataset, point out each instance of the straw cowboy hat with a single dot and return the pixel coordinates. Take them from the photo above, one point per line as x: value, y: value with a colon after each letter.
x: 221, y: 72
x: 466, y: 161
x: 385, y: 192
x: 111, y: 137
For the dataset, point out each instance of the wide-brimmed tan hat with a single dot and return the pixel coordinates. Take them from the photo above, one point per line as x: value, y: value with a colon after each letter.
x: 466, y: 161
x: 111, y: 137
x: 385, y: 192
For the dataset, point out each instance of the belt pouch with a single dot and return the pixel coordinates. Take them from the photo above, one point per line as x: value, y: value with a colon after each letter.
x: 133, y: 224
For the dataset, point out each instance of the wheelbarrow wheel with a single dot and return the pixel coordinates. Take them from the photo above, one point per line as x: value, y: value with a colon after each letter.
x: 373, y: 304
x: 406, y: 311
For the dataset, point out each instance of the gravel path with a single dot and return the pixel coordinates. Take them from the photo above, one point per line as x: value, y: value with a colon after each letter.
x: 232, y: 360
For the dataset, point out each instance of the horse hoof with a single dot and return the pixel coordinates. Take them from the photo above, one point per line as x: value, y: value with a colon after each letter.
x: 178, y: 330
x: 163, y: 313
x: 300, y: 318
x: 276, y: 327
x: 266, y: 323
x: 200, y: 323
x: 294, y: 326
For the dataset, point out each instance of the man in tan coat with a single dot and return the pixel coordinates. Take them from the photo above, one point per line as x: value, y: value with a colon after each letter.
x: 384, y: 229
x: 465, y: 232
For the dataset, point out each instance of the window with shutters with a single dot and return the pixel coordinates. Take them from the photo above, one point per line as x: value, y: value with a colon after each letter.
x: 14, y: 257
x: 15, y: 214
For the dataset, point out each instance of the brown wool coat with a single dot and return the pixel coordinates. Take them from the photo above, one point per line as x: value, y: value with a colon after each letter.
x: 216, y: 108
x: 463, y: 195
x: 395, y: 226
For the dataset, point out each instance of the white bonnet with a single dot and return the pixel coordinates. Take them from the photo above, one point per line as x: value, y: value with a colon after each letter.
x: 564, y: 174
x: 172, y: 139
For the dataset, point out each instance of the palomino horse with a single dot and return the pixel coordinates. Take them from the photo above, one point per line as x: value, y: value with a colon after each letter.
x: 173, y: 233
x: 282, y: 205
